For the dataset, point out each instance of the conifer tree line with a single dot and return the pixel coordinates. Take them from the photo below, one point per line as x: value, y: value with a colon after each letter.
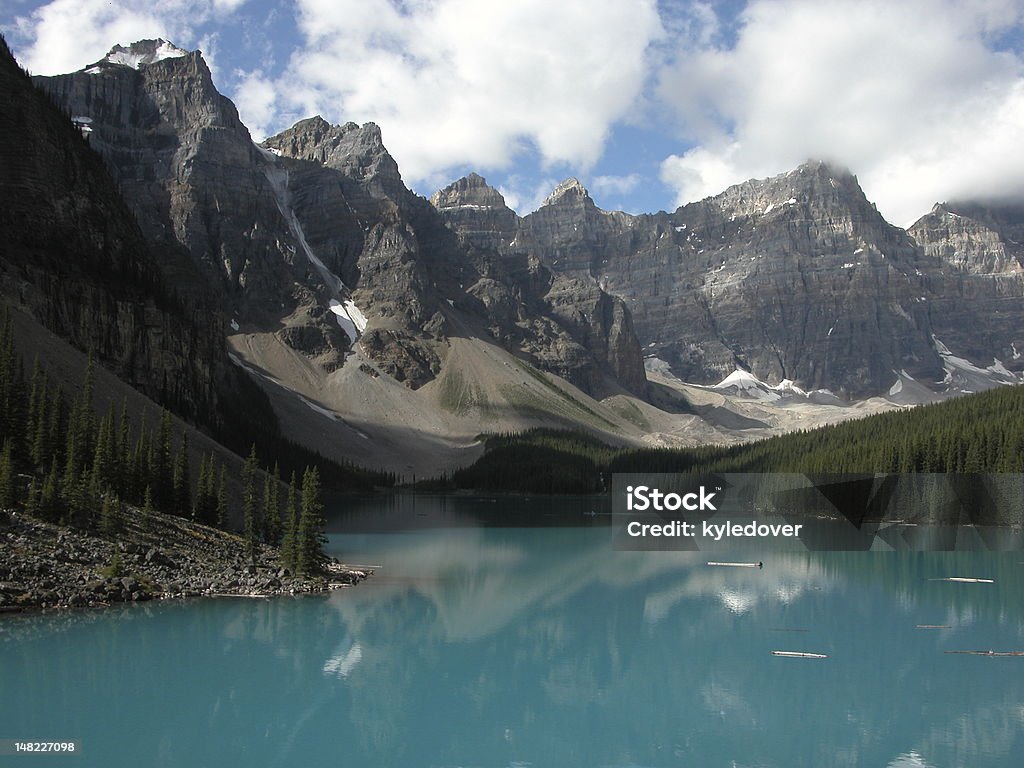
x: 65, y: 464
x: 975, y: 433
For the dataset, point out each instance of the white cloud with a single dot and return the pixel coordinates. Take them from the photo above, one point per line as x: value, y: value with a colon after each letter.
x: 614, y: 185
x: 255, y: 97
x: 65, y: 35
x: 908, y: 95
x: 702, y: 172
x: 524, y: 196
x: 460, y: 82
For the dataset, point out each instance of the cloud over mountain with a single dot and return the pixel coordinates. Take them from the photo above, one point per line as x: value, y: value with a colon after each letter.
x: 919, y: 98
x: 923, y: 99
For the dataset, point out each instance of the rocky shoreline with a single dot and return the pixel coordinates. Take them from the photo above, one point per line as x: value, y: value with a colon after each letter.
x: 154, y: 557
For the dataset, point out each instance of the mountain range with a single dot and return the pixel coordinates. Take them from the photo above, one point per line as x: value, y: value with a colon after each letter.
x: 392, y: 330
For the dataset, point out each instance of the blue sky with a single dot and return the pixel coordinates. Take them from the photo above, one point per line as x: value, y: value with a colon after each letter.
x: 650, y: 104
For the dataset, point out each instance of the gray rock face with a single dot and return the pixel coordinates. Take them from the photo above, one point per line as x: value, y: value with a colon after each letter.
x: 74, y: 256
x: 413, y: 263
x: 982, y: 240
x: 319, y: 217
x: 794, y: 277
x: 357, y: 151
x: 477, y: 211
x: 566, y: 322
x: 185, y: 164
x: 978, y: 298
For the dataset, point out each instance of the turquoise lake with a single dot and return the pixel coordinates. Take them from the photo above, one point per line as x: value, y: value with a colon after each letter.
x: 480, y: 643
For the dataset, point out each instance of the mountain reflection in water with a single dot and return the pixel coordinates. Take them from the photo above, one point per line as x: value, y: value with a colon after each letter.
x: 487, y: 645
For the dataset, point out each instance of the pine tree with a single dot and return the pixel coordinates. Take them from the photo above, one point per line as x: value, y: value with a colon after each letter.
x: 289, y: 544
x: 32, y: 500
x: 312, y: 524
x: 182, y: 481
x: 124, y: 451
x: 8, y: 491
x: 109, y: 515
x: 222, y: 498
x: 36, y: 405
x: 161, y: 470
x: 199, y: 510
x: 104, y: 464
x: 272, y: 508
x: 11, y: 383
x: 39, y: 455
x: 49, y: 498
x: 250, y: 510
x: 81, y: 426
x: 206, y: 492
x: 139, y: 465
x: 57, y: 424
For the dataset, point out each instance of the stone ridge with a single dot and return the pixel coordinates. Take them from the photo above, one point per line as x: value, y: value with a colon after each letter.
x: 568, y: 190
x: 471, y: 191
x: 143, y: 53
x: 792, y: 277
x: 973, y: 238
x: 198, y: 187
x: 357, y: 151
x: 524, y: 296
x: 319, y: 214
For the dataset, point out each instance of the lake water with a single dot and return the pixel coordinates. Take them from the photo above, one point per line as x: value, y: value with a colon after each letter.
x: 481, y: 644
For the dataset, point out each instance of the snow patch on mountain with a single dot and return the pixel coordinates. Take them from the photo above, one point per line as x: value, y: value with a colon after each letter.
x: 350, y: 318
x: 964, y: 377
x: 143, y: 53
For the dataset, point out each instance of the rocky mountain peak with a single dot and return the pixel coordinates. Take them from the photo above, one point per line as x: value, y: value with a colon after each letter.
x: 471, y: 192
x: 143, y: 53
x: 356, y: 150
x: 973, y: 237
x: 569, y: 191
x: 816, y: 186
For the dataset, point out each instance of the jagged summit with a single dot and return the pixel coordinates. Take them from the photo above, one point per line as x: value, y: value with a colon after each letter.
x: 143, y: 53
x: 356, y: 150
x: 973, y: 237
x: 568, y: 189
x: 816, y: 183
x: 471, y: 192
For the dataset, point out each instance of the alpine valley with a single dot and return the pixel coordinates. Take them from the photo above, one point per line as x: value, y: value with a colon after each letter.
x: 299, y: 281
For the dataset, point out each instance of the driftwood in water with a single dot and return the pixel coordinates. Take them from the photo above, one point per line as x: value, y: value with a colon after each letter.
x: 799, y: 655
x: 989, y: 653
x: 738, y: 565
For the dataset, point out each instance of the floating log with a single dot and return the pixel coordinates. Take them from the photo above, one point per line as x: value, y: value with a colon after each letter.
x: 965, y: 580
x: 989, y: 653
x: 738, y: 565
x: 799, y: 655
x: 934, y: 626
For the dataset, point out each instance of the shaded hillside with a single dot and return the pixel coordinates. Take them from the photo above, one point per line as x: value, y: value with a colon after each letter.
x: 75, y: 259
